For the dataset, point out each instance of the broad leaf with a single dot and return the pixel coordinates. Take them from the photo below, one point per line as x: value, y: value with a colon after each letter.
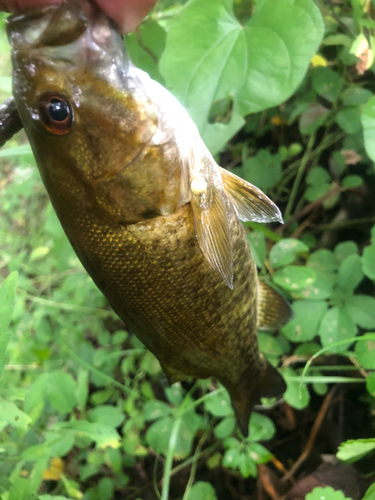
x: 202, y: 491
x: 13, y: 416
x: 368, y: 261
x: 307, y: 317
x: 365, y: 353
x: 106, y: 414
x: 294, y: 278
x: 255, y: 66
x: 354, y: 449
x: 327, y: 493
x: 296, y: 394
x: 362, y: 310
x: 219, y: 404
x: 286, y: 251
x: 61, y: 391
x: 336, y: 325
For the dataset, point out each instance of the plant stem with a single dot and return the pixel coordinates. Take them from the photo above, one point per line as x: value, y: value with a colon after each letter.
x: 169, y: 459
x: 193, y: 470
x: 299, y: 175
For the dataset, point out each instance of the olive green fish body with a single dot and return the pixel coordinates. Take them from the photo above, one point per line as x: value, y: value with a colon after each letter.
x: 151, y: 216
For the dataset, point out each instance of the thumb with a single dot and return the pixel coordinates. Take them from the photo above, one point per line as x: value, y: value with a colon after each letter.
x: 127, y: 13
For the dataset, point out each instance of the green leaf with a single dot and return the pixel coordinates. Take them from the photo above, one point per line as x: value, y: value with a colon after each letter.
x: 174, y: 394
x: 261, y: 427
x: 368, y: 124
x: 370, y: 493
x: 307, y: 317
x: 103, y: 435
x: 259, y: 453
x: 323, y: 260
x: 159, y: 433
x: 349, y: 120
x: 286, y: 251
x: 225, y: 427
x: 155, y: 409
x: 368, y: 261
x: 352, y: 181
x: 344, y: 249
x: 219, y: 404
x: 315, y: 192
x: 362, y: 310
x: 294, y: 277
x: 355, y: 96
x: 320, y: 289
x: 326, y: 493
x: 262, y: 170
x: 106, y: 414
x: 258, y: 248
x: 365, y: 353
x: 355, y: 449
x: 61, y: 391
x: 82, y: 389
x: 246, y: 464
x: 269, y: 345
x: 336, y: 325
x: 145, y: 47
x: 296, y: 394
x: 258, y: 65
x: 326, y: 83
x: 202, y: 491
x: 13, y: 416
x: 7, y: 299
x: 350, y: 273
x: 317, y: 176
x: 370, y: 384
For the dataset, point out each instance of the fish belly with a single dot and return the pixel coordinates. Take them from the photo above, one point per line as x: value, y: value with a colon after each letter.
x: 156, y: 279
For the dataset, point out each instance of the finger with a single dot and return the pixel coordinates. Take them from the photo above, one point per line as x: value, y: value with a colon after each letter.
x: 127, y: 13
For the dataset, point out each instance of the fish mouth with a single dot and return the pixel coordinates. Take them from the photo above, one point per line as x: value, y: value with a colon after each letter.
x: 74, y: 34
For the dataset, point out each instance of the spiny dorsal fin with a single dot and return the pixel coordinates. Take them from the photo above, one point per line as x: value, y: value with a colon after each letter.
x: 210, y: 210
x: 273, y: 311
x: 249, y: 201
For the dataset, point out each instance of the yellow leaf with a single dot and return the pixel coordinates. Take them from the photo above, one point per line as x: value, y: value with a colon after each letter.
x: 318, y: 60
x: 56, y: 468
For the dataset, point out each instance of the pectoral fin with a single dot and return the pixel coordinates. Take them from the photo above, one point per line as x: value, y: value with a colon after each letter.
x: 249, y: 201
x: 210, y: 210
x: 273, y: 311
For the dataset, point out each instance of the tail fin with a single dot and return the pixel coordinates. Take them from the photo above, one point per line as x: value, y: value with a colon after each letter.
x: 249, y: 391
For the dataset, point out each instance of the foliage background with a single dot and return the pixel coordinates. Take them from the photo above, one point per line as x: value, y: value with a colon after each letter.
x: 84, y: 410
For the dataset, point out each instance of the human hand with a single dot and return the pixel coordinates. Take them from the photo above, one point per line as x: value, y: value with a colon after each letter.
x: 126, y: 13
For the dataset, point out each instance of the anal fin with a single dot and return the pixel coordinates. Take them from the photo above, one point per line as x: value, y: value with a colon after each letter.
x: 249, y: 201
x: 273, y: 311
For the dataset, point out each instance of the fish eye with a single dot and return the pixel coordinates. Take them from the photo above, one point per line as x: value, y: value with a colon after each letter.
x: 56, y: 113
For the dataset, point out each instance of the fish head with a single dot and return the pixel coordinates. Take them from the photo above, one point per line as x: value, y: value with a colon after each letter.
x: 85, y: 114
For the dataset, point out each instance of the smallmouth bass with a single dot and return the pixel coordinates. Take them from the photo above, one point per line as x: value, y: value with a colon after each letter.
x: 153, y: 219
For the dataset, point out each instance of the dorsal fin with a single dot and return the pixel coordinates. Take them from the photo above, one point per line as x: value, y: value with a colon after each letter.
x: 249, y: 201
x: 273, y: 311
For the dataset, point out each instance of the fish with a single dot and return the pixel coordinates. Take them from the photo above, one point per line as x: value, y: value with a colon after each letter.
x: 150, y: 214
